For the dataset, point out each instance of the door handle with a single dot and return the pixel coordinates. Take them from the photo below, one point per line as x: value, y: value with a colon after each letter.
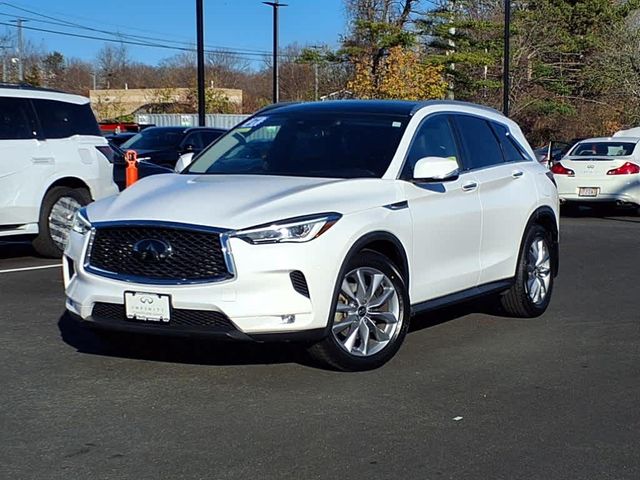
x: 517, y: 173
x: 470, y: 186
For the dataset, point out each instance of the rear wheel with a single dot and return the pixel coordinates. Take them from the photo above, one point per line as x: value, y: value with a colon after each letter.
x: 370, y: 315
x: 59, y: 206
x: 531, y: 292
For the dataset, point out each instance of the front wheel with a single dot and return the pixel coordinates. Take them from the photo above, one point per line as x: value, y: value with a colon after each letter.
x: 531, y: 292
x: 59, y: 206
x: 369, y: 317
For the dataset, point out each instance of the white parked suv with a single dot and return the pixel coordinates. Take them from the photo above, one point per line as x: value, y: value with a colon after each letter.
x: 53, y: 160
x: 326, y: 223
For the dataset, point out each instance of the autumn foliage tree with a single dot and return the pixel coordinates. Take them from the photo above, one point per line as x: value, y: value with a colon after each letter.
x: 400, y: 75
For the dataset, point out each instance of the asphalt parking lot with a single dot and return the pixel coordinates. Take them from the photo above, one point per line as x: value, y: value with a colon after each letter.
x: 470, y: 395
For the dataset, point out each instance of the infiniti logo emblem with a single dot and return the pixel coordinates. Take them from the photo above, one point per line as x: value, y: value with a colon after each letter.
x: 152, y: 250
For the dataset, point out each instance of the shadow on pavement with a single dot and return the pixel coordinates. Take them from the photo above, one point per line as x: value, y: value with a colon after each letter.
x: 177, y: 349
x: 209, y: 352
x: 16, y: 249
x: 602, y: 211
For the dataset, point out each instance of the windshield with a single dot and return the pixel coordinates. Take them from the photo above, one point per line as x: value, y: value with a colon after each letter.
x: 603, y: 149
x: 154, y: 139
x: 303, y: 144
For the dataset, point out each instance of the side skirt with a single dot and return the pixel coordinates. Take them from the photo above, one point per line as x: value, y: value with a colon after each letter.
x: 462, y: 296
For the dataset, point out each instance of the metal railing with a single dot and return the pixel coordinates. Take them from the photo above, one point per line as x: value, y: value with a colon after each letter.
x: 216, y: 120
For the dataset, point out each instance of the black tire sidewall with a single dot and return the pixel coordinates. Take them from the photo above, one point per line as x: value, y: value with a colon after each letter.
x: 534, y: 233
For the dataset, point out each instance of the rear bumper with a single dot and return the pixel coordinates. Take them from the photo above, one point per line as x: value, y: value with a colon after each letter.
x: 614, y: 189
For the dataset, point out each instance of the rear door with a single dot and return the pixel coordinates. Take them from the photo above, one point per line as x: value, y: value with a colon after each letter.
x: 507, y: 192
x: 25, y: 163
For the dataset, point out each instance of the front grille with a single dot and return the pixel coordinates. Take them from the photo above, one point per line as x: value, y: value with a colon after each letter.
x: 212, y: 321
x: 299, y: 283
x: 196, y: 255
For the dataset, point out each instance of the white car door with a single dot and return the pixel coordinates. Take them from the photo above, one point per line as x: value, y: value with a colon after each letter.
x: 446, y: 218
x: 507, y: 193
x: 24, y: 163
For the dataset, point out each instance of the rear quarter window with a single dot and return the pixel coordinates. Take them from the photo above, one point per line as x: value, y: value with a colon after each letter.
x: 63, y: 119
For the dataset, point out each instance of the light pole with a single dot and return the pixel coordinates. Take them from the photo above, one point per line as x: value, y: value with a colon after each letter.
x: 4, y: 63
x: 20, y: 53
x: 200, y: 55
x: 276, y: 87
x: 505, y: 60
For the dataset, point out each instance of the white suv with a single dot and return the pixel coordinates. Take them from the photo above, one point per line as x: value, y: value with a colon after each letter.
x: 53, y: 160
x: 327, y: 223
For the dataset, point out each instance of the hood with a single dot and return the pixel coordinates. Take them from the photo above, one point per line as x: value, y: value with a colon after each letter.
x: 240, y: 201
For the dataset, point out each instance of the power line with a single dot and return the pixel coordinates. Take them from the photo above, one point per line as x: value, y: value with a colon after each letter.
x: 246, y: 55
x: 65, y: 23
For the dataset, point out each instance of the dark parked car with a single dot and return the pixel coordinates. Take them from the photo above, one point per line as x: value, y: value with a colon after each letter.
x: 145, y: 168
x: 119, y: 138
x: 163, y: 145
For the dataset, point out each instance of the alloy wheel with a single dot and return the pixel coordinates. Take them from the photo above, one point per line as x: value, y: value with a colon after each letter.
x: 538, y: 271
x: 368, y: 313
x: 61, y: 220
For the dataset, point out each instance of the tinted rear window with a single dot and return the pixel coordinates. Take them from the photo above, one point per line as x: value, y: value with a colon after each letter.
x: 480, y: 144
x: 603, y: 149
x: 16, y: 119
x: 62, y: 119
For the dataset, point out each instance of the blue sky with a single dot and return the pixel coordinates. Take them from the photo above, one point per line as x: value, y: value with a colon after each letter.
x: 237, y: 24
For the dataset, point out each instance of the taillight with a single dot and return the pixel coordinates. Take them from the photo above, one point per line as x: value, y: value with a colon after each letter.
x: 626, y: 169
x: 107, y: 151
x: 559, y: 169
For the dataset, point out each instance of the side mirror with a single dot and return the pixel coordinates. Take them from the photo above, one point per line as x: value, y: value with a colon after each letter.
x: 436, y: 169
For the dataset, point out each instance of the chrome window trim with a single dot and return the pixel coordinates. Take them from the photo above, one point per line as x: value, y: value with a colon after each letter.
x: 224, y: 245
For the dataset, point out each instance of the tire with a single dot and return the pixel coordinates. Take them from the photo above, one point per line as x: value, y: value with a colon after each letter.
x: 64, y: 199
x: 355, y: 313
x: 533, y: 274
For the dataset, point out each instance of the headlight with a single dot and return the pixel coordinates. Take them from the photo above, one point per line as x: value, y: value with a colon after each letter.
x: 81, y: 223
x: 295, y: 230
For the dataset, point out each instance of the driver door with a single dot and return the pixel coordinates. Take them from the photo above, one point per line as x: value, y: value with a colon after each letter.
x: 446, y: 218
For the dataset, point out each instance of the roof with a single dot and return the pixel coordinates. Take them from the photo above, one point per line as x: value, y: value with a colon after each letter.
x: 23, y: 90
x: 389, y: 107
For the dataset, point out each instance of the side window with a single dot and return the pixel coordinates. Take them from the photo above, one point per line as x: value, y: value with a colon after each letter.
x: 194, y: 139
x: 510, y: 151
x: 63, y: 119
x: 208, y: 137
x: 480, y: 145
x: 16, y: 119
x: 433, y: 138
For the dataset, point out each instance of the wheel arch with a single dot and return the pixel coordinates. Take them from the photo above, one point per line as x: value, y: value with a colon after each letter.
x: 70, y: 182
x: 546, y: 218
x: 387, y: 244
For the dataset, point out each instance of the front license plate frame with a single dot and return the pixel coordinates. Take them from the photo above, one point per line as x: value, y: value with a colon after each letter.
x: 147, y: 307
x: 588, y: 191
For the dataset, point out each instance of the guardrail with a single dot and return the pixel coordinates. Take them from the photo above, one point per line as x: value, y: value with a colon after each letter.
x: 216, y: 120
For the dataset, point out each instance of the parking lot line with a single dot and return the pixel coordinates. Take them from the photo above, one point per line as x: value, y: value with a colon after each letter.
x: 26, y: 269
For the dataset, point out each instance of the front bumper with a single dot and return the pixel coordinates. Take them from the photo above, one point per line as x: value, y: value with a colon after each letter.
x: 261, y: 300
x: 613, y: 189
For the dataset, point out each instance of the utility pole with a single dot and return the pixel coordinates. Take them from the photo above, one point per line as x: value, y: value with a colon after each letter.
x: 276, y: 87
x: 20, y: 53
x: 505, y: 60
x: 200, y: 55
x: 4, y: 63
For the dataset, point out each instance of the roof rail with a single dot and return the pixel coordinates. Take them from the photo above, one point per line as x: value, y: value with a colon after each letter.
x: 427, y: 103
x: 275, y: 105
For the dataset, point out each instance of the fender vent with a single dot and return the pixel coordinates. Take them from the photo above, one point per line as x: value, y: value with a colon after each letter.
x: 299, y: 283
